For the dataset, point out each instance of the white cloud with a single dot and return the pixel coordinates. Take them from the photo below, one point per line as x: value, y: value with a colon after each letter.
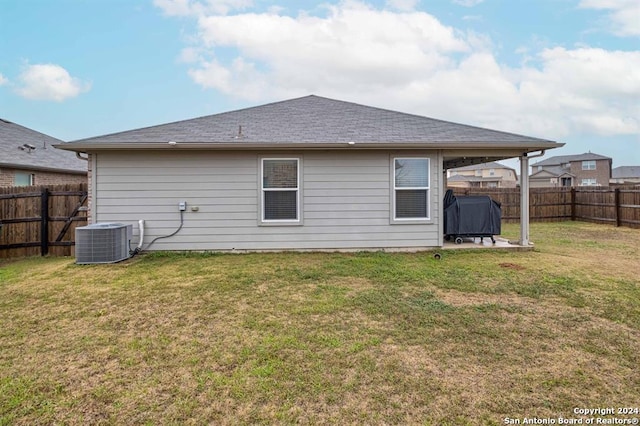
x: 354, y: 43
x: 239, y: 79
x: 49, y: 82
x: 590, y: 89
x: 411, y: 62
x: 624, y: 15
x: 3, y: 80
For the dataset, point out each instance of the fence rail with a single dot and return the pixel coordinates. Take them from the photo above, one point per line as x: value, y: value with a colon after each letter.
x: 617, y: 206
x: 41, y: 220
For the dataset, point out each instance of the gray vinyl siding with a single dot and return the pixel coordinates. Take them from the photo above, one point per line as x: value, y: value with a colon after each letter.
x: 345, y: 200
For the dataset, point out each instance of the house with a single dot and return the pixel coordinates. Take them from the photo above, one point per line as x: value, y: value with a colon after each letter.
x: 28, y: 158
x: 571, y: 170
x: 625, y: 175
x: 304, y: 174
x: 485, y: 175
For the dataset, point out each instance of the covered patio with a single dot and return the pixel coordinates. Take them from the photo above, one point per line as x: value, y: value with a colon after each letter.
x: 454, y: 159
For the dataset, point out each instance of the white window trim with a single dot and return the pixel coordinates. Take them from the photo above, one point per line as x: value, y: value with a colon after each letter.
x: 298, y: 189
x: 409, y: 220
x: 586, y: 165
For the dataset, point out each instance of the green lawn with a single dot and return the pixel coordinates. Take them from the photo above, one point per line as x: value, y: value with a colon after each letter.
x: 326, y: 338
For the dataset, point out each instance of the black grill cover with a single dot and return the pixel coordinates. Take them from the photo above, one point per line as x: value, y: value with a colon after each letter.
x: 476, y: 215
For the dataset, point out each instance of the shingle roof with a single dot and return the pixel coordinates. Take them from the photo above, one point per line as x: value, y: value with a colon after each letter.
x: 311, y: 120
x: 484, y: 166
x: 44, y: 156
x: 625, y: 172
x: 563, y: 159
x: 554, y: 171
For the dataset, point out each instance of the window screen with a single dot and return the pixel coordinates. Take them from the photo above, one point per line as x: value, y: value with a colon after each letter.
x: 280, y: 174
x: 280, y: 189
x: 411, y: 188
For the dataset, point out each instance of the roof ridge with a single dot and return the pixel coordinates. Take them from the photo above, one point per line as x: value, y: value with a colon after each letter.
x: 310, y: 96
x: 310, y: 119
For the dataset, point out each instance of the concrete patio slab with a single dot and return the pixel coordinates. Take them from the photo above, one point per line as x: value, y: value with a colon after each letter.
x: 476, y: 243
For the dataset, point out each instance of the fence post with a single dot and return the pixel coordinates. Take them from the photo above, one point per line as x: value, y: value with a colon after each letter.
x: 44, y: 222
x: 616, y: 198
x: 573, y: 204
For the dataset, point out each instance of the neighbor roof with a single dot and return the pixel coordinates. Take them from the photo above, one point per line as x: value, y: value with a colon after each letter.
x: 15, y: 151
x: 564, y: 159
x: 555, y: 171
x: 625, y: 172
x: 310, y: 121
x: 484, y: 166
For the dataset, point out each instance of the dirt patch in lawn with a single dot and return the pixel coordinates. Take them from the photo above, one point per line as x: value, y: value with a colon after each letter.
x: 513, y: 266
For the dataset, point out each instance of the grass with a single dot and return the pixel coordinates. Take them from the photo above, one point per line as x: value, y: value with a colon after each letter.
x: 326, y: 338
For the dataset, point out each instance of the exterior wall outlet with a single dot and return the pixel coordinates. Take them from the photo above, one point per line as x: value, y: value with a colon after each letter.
x: 182, y: 206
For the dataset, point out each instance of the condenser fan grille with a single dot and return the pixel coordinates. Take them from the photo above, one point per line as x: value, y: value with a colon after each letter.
x: 102, y: 243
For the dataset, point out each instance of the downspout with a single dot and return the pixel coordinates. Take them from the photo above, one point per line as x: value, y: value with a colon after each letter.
x: 141, y: 234
x: 138, y: 249
x: 524, y: 196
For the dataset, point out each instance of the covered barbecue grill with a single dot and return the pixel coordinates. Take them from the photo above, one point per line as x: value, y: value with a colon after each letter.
x: 470, y: 217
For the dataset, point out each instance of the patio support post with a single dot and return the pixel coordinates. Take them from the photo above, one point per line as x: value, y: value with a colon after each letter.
x: 524, y: 200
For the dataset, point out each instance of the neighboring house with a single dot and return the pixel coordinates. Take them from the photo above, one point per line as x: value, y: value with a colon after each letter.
x: 571, y: 170
x: 625, y: 174
x: 305, y: 174
x: 28, y: 158
x: 485, y: 175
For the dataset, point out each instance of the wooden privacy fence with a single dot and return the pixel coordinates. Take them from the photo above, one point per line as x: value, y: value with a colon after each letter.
x: 616, y: 206
x: 41, y: 219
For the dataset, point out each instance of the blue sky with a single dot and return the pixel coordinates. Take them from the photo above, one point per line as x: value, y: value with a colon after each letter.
x: 565, y: 70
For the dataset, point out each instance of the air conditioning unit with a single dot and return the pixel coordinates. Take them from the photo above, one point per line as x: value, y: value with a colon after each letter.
x: 103, y: 243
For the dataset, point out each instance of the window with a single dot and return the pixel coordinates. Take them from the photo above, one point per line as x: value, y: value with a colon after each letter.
x: 411, y: 189
x: 589, y: 165
x: 280, y: 190
x: 23, y: 179
x: 492, y: 172
x: 589, y: 182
